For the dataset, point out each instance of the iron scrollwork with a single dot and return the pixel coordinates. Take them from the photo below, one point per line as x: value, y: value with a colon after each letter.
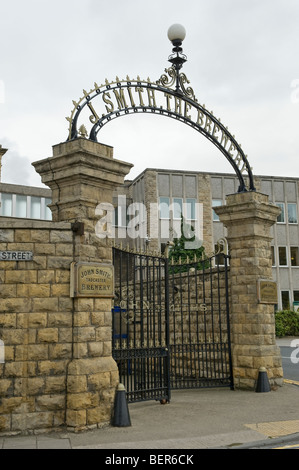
x: 182, y: 78
x: 169, y: 96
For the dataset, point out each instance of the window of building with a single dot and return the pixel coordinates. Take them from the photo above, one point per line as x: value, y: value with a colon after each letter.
x: 281, y: 217
x: 294, y: 256
x: 215, y: 203
x: 6, y: 205
x: 164, y: 207
x: 35, y: 207
x: 285, y: 299
x: 282, y: 256
x: 191, y: 212
x: 296, y: 300
x: 177, y: 208
x: 21, y: 206
x: 292, y: 213
x: 17, y: 205
x: 48, y: 212
x: 273, y: 255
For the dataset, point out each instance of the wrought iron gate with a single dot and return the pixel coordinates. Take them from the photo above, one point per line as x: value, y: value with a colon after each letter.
x: 140, y: 325
x: 199, y: 335
x: 170, y: 324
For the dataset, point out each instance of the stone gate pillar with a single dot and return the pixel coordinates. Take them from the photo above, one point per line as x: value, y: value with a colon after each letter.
x: 83, y: 174
x: 249, y: 217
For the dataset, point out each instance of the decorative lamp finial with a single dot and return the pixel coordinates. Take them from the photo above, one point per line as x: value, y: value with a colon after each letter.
x: 176, y: 34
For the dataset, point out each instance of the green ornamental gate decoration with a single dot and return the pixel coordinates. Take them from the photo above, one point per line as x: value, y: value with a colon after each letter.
x: 169, y: 96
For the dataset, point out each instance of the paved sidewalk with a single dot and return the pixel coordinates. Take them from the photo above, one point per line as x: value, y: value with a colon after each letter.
x: 194, y: 419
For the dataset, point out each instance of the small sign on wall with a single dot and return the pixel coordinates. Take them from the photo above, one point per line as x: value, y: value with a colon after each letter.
x: 6, y: 255
x: 92, y: 280
x: 267, y: 292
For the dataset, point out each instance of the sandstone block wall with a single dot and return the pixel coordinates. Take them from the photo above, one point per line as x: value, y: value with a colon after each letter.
x: 57, y: 369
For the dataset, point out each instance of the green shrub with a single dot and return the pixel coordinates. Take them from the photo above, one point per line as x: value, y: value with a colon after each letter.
x: 178, y: 253
x: 286, y: 323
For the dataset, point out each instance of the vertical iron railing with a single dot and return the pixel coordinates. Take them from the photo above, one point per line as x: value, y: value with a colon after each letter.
x: 170, y: 324
x: 200, y: 351
x: 139, y: 319
x: 230, y: 359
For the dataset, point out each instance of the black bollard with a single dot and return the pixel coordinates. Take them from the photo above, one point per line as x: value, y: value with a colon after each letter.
x: 121, y: 416
x: 263, y: 384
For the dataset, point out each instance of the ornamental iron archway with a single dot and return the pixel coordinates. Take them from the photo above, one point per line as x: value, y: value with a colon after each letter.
x: 169, y: 96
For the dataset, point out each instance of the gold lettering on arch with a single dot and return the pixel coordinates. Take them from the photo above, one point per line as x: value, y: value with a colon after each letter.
x: 174, y: 104
x: 110, y: 109
x: 121, y: 97
x: 151, y: 97
x: 140, y: 90
x: 94, y: 118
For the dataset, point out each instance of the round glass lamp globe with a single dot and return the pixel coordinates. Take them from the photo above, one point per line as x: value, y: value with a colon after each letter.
x: 176, y: 32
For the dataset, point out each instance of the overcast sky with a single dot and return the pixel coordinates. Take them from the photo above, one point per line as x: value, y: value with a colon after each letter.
x: 243, y: 63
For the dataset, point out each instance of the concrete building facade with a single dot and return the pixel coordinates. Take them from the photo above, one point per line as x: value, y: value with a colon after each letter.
x: 166, y: 194
x: 177, y: 192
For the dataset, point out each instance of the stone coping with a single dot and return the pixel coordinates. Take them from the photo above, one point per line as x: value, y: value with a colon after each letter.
x: 14, y: 223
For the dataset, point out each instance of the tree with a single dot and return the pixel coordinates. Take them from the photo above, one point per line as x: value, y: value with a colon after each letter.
x: 187, y: 251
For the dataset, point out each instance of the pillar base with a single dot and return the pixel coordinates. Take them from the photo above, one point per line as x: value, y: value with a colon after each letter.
x: 247, y: 361
x: 91, y: 385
